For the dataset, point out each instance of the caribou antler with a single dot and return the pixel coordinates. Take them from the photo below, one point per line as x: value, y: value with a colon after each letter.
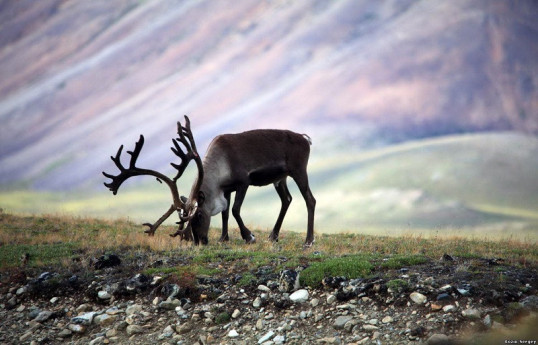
x: 186, y: 139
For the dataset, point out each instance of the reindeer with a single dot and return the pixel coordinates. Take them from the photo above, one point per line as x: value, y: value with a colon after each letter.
x: 233, y: 162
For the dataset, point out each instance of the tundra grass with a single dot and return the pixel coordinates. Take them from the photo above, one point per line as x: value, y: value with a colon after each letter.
x: 52, y: 240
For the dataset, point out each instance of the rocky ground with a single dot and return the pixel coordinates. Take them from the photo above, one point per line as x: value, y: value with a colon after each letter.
x: 112, y: 301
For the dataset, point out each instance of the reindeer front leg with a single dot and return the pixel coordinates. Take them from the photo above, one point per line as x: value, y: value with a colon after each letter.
x: 225, y: 216
x: 236, y: 210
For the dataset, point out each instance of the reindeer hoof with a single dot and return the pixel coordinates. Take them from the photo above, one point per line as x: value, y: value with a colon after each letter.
x: 224, y: 239
x: 251, y: 240
x: 307, y: 245
x: 273, y: 238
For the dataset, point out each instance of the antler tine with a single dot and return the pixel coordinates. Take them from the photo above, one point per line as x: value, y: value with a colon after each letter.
x: 124, y: 174
x: 187, y: 140
x: 134, y: 154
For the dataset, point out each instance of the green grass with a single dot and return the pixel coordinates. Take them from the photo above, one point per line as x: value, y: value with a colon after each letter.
x: 399, y: 261
x: 355, y: 266
x: 55, y: 241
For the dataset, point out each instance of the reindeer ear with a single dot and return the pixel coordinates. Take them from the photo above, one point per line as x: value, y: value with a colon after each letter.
x: 201, y: 198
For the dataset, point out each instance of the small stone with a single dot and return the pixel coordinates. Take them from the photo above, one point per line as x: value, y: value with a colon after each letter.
x: 449, y: 308
x: 268, y: 336
x: 65, y: 333
x: 134, y: 329
x: 236, y: 314
x: 43, y: 316
x: 418, y: 298
x: 264, y: 288
x: 104, y: 319
x: 168, y: 332
x: 233, y: 334
x: 77, y: 328
x: 84, y: 319
x: 104, y: 295
x: 25, y: 336
x: 170, y: 304
x: 487, y: 321
x: 471, y: 313
x: 54, y: 300
x: 314, y: 302
x: 279, y: 339
x: 183, y: 328
x: 387, y: 319
x: 257, y: 302
x: 331, y: 299
x: 299, y: 296
x: 438, y: 339
x: 97, y: 341
x: 114, y: 311
x: 436, y: 307
x: 341, y: 321
x: 370, y: 328
x: 132, y: 309
x: 84, y: 308
x: 21, y: 291
x: 259, y: 324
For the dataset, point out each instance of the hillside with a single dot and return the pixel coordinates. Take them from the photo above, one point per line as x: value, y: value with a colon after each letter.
x: 91, y: 281
x: 81, y: 78
x: 481, y: 184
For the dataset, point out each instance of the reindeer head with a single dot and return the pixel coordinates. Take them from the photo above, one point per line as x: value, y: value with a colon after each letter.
x: 187, y: 209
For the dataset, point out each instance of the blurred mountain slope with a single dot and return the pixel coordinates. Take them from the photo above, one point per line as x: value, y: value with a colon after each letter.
x: 80, y: 78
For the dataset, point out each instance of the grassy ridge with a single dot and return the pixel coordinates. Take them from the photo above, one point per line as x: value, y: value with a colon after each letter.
x: 56, y: 240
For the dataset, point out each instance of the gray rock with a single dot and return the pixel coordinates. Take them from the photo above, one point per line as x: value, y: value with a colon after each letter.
x: 530, y: 303
x: 471, y: 313
x: 183, y: 328
x: 279, y: 339
x: 132, y: 309
x: 84, y: 319
x: 236, y: 314
x: 104, y: 319
x: 134, y: 329
x: 387, y: 319
x: 170, y: 304
x: 299, y: 296
x: 77, y: 328
x: 341, y: 321
x: 438, y: 339
x: 97, y: 341
x: 25, y: 336
x: 233, y: 334
x: 331, y: 299
x: 370, y: 328
x: 257, y: 302
x: 65, y: 333
x: 449, y: 308
x: 104, y: 295
x: 43, y: 316
x: 418, y: 298
x: 268, y: 336
x: 168, y: 332
x: 264, y: 288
